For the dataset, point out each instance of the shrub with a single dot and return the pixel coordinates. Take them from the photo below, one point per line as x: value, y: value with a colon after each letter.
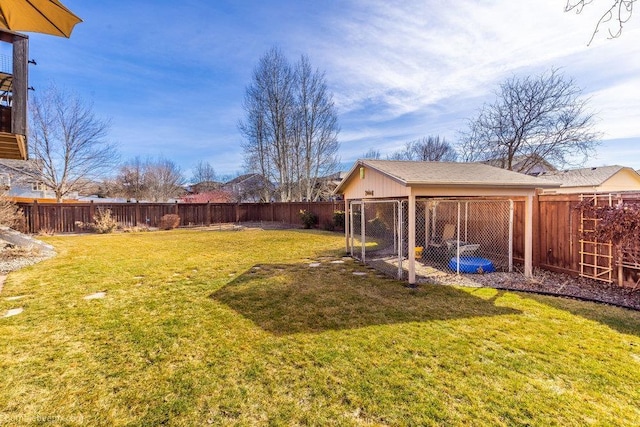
x: 338, y: 219
x: 104, y: 222
x: 10, y: 214
x: 169, y: 221
x: 309, y: 219
x: 135, y: 228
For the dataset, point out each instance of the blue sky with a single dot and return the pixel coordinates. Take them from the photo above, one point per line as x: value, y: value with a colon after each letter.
x: 171, y: 76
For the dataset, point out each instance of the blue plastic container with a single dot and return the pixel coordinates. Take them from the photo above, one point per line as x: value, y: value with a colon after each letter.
x: 472, y: 264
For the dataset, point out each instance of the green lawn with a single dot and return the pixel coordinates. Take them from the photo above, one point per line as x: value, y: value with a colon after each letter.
x: 236, y: 328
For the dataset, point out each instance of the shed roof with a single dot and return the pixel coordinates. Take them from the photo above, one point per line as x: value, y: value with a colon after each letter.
x: 411, y: 173
x: 584, y: 177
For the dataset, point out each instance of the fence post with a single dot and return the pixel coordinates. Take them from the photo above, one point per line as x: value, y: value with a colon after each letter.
x: 537, y: 241
x: 36, y: 217
x: 137, y: 214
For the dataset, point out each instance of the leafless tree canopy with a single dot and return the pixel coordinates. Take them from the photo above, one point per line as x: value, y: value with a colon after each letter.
x: 427, y: 149
x: 540, y: 117
x: 612, y: 19
x: 154, y: 180
x: 164, y: 180
x: 290, y: 126
x: 204, y: 177
x: 69, y: 141
x: 204, y: 172
x: 372, y: 154
x: 130, y: 182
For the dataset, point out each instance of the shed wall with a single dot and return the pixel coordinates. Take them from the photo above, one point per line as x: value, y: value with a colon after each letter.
x: 373, y: 185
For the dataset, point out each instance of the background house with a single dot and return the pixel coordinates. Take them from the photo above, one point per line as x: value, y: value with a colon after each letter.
x: 251, y: 187
x: 593, y: 180
x: 20, y: 181
x: 531, y: 164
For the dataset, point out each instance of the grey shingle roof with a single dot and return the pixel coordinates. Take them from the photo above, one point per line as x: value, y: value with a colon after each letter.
x: 22, y: 166
x: 584, y: 177
x: 453, y: 173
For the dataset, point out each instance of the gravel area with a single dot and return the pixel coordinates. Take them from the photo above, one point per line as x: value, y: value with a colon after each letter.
x: 13, y: 264
x: 543, y: 282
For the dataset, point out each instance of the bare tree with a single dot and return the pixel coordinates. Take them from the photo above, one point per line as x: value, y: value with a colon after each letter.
x: 204, y: 177
x: 155, y: 180
x: 290, y: 127
x: 427, y: 149
x: 315, y: 131
x: 541, y: 117
x: 130, y: 181
x: 269, y: 103
x: 69, y: 141
x: 372, y: 154
x: 163, y: 180
x: 612, y: 19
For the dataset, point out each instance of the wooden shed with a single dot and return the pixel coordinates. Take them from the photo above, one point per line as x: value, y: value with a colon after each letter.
x: 416, y: 188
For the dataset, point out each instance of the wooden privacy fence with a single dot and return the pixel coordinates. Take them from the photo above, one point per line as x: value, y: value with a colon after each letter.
x: 556, y: 223
x: 67, y: 217
x: 558, y: 244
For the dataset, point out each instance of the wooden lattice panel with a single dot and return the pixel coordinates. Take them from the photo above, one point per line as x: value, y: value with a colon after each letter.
x: 596, y: 258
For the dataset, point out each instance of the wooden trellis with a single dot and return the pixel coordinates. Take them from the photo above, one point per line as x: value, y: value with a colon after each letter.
x: 596, y: 258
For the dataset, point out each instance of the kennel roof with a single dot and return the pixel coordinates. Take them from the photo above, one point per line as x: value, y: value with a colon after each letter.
x: 408, y: 173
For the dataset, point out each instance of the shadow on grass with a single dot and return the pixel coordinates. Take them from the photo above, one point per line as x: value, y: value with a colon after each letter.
x: 293, y: 298
x: 624, y: 320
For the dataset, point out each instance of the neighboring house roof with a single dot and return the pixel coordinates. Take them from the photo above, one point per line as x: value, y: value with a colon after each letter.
x: 410, y: 173
x: 30, y: 168
x: 213, y: 196
x: 614, y: 178
x: 531, y: 164
x: 244, y: 178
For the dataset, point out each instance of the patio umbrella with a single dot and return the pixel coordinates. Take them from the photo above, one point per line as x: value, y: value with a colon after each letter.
x: 39, y: 16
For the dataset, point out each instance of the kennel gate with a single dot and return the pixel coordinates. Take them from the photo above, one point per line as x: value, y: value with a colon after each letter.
x: 376, y: 229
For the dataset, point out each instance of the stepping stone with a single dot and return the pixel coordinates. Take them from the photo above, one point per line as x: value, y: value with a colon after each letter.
x: 14, y: 312
x: 97, y: 295
x: 314, y: 264
x: 359, y: 273
x: 339, y: 261
x: 17, y: 297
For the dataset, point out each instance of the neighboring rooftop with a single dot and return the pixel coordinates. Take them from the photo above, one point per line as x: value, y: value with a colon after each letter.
x: 531, y: 164
x: 584, y: 177
x: 30, y: 167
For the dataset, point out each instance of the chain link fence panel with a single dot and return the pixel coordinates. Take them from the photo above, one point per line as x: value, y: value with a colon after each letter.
x: 451, y: 234
x: 376, y: 231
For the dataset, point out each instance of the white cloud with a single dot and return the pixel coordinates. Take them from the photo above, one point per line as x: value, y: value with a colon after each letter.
x: 398, y: 70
